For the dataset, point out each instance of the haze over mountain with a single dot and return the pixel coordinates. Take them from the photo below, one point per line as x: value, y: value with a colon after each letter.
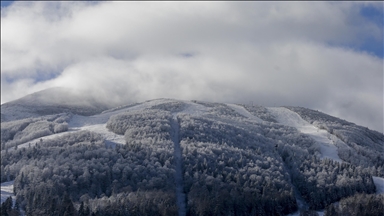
x: 176, y: 157
x: 52, y: 101
x: 323, y: 55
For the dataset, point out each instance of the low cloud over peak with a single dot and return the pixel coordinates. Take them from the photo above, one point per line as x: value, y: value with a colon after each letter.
x: 275, y: 53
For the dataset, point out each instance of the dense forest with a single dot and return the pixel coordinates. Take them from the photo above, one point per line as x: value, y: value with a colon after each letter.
x: 230, y: 165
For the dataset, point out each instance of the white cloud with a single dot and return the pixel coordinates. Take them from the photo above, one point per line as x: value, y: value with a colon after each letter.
x: 269, y: 53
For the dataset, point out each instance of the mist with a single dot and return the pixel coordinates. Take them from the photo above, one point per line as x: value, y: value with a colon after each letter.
x: 308, y: 54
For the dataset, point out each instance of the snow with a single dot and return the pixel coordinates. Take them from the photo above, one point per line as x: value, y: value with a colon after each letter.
x: 242, y: 111
x: 110, y: 137
x: 139, y: 106
x: 320, y: 213
x: 97, y: 123
x: 325, y: 140
x: 194, y: 109
x: 379, y: 182
x: 37, y: 140
x: 7, y: 191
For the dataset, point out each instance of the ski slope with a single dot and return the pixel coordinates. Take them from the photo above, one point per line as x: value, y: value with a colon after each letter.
x: 326, y: 143
x: 7, y: 191
x: 320, y: 213
x: 194, y: 109
x: 242, y: 111
x: 379, y: 182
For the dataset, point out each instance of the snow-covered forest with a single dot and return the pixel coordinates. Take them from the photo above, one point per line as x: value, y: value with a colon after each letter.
x: 232, y: 159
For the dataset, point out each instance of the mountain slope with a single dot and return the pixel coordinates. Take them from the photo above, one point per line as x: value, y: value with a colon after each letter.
x: 326, y: 145
x: 51, y: 101
x: 169, y: 157
x: 364, y: 147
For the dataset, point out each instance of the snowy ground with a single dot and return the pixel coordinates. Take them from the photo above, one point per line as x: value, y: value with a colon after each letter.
x: 379, y: 182
x: 320, y: 213
x: 37, y: 140
x: 194, y: 109
x: 242, y: 111
x: 325, y: 140
x: 7, y: 191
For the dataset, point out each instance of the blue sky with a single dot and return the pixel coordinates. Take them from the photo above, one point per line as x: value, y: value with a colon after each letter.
x: 376, y: 16
x: 6, y: 3
x: 321, y: 55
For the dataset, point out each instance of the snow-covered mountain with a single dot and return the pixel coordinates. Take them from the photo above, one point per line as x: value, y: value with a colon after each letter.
x: 51, y: 101
x: 174, y: 157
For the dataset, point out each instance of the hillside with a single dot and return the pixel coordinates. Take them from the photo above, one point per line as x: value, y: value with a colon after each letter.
x: 173, y: 157
x: 51, y: 101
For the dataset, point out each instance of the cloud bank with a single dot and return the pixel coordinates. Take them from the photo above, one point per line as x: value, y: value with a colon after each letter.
x: 307, y: 54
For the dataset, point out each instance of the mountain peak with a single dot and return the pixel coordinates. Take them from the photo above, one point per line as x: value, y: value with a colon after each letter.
x: 51, y: 101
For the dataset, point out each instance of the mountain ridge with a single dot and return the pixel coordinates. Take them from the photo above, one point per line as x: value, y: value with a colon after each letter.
x: 51, y: 101
x: 242, y: 159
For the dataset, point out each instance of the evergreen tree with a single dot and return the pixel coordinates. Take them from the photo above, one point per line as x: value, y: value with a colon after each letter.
x: 67, y: 206
x: 330, y: 210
